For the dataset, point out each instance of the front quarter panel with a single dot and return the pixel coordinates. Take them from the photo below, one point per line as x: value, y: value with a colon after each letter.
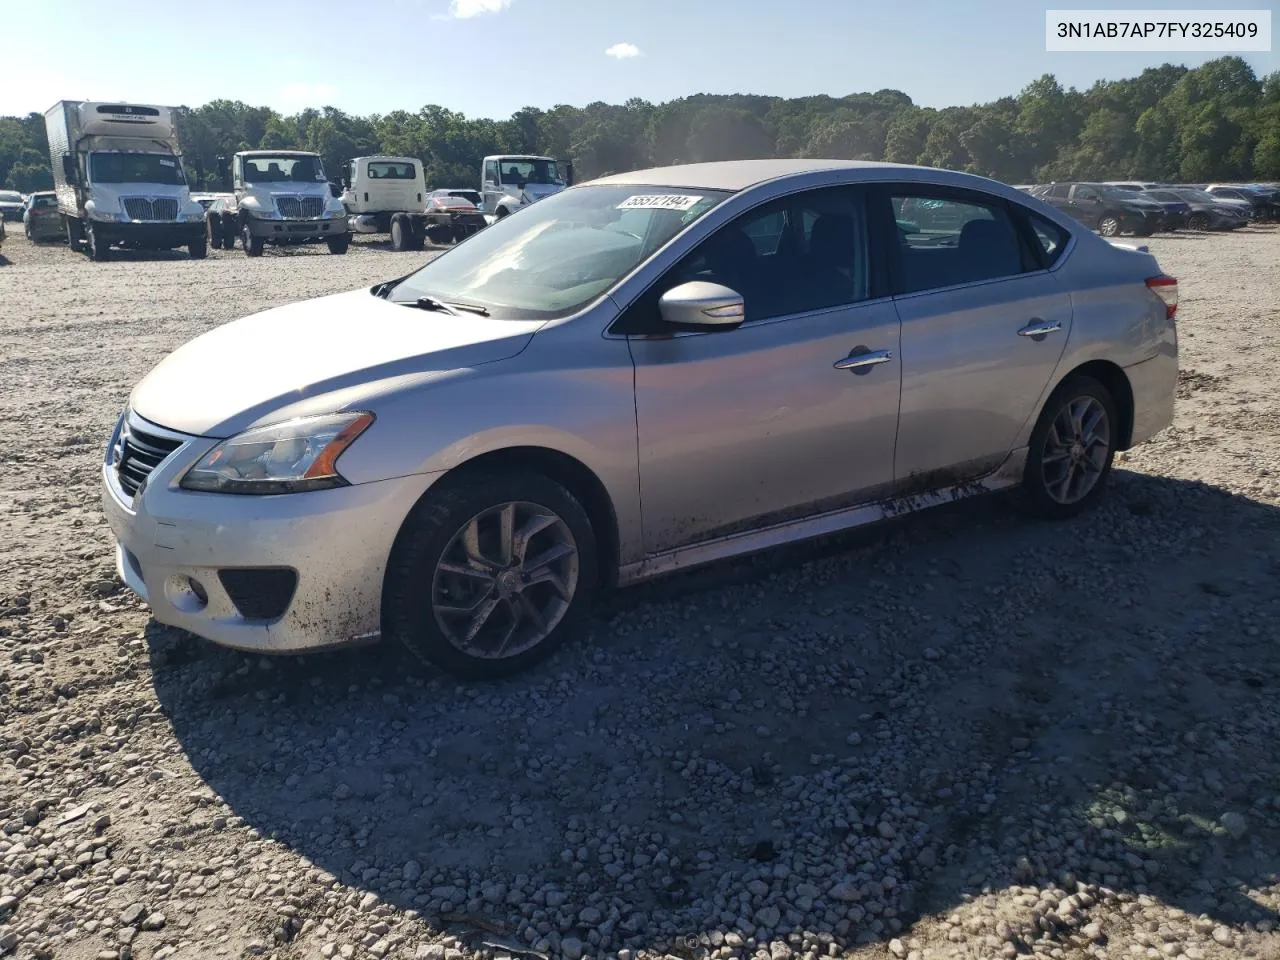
x: 570, y: 391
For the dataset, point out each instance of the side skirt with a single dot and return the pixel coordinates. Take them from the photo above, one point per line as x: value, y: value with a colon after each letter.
x: 1007, y: 475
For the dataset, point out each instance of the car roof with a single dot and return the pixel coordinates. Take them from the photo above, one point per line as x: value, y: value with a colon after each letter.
x: 739, y: 174
x: 278, y: 153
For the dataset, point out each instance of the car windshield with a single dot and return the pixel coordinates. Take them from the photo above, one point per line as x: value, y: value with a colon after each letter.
x: 283, y: 169
x: 8, y: 196
x: 515, y: 170
x: 45, y: 200
x: 559, y: 254
x: 135, y: 168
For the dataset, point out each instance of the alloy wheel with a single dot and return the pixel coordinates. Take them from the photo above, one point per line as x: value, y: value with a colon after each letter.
x: 1076, y: 450
x: 505, y: 581
x: 1109, y: 226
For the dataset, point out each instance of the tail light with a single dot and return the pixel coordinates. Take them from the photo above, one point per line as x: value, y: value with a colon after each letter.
x: 1166, y: 288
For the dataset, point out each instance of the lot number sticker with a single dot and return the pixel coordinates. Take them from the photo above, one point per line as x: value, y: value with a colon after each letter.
x: 658, y: 202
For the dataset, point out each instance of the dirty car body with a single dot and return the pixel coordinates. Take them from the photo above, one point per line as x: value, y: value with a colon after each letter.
x: 636, y: 375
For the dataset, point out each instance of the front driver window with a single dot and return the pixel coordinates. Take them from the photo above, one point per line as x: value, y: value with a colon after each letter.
x: 793, y: 255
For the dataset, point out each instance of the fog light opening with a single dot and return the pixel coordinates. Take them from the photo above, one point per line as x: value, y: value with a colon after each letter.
x: 186, y: 594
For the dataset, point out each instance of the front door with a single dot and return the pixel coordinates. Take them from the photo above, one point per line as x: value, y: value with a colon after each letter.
x: 984, y: 325
x: 770, y: 421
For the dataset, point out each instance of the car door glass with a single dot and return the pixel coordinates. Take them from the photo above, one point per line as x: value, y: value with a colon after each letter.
x: 944, y: 241
x: 781, y: 267
x: 1051, y: 236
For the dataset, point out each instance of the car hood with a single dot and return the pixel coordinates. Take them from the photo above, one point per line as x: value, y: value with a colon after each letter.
x: 341, y: 347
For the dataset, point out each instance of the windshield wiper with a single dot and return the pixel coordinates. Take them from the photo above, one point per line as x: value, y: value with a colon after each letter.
x: 448, y: 306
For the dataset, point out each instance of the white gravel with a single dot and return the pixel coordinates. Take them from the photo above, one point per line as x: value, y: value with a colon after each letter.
x: 963, y: 736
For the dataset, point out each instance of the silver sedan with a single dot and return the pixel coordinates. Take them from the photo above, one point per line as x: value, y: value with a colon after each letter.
x: 639, y: 374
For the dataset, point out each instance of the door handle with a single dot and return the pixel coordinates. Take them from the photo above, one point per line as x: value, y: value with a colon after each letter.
x: 1037, y: 328
x: 859, y: 361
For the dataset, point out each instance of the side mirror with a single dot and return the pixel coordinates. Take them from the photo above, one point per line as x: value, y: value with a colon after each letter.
x: 703, y: 306
x: 69, y: 169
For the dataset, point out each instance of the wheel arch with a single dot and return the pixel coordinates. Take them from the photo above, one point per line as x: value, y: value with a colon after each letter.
x: 1113, y: 377
x: 568, y: 471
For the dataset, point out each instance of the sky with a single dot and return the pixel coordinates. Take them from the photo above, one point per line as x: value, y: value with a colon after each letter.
x: 491, y: 57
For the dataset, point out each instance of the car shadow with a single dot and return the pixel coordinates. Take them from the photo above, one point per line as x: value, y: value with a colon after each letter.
x: 900, y: 719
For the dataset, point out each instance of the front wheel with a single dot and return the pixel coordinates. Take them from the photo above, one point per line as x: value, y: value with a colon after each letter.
x: 339, y: 244
x: 252, y: 245
x: 198, y: 249
x: 1109, y: 226
x: 99, y: 249
x: 1198, y: 221
x: 488, y: 578
x: 1071, y: 449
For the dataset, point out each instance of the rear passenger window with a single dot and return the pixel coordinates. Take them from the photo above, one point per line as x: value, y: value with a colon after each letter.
x: 1051, y: 236
x: 943, y: 241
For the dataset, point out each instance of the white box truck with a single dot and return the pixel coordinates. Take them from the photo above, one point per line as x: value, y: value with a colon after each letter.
x: 117, y: 173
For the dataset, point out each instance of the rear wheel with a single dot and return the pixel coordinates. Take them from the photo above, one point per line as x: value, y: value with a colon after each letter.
x: 1198, y: 221
x: 198, y: 249
x: 401, y: 234
x: 1071, y: 450
x: 1109, y: 226
x: 489, y: 577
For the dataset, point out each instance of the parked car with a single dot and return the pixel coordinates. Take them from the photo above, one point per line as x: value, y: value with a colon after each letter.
x: 1139, y: 185
x: 749, y: 348
x: 1205, y: 213
x: 1176, y: 210
x: 42, y: 220
x: 1107, y: 209
x: 1261, y: 205
x: 12, y: 204
x: 207, y: 200
x: 471, y: 196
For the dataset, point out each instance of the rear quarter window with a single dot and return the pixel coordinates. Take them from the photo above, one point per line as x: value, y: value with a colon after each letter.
x: 1051, y: 237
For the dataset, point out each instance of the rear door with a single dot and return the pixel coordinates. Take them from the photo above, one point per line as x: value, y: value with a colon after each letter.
x: 984, y: 325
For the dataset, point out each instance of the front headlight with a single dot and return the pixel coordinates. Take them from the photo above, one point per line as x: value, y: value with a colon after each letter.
x: 288, y: 457
x: 334, y: 208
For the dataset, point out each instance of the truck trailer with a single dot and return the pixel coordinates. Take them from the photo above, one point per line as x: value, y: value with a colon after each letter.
x: 118, y: 177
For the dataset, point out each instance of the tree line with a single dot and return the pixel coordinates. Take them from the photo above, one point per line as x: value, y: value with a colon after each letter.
x: 1218, y: 121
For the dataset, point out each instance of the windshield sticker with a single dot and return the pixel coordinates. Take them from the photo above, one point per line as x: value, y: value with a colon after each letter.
x: 658, y: 202
x: 167, y: 163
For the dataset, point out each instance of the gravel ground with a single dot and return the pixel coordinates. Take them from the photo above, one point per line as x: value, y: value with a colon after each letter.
x: 965, y: 735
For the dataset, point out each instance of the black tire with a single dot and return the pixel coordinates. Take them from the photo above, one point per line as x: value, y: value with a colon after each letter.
x: 339, y: 244
x: 502, y: 212
x: 1035, y: 493
x: 198, y: 249
x: 408, y: 588
x: 229, y: 232
x: 98, y: 250
x: 213, y: 231
x: 1198, y: 221
x: 417, y: 235
x: 401, y: 234
x: 253, y: 246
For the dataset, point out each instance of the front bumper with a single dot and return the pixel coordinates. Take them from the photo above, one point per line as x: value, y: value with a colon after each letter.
x: 148, y: 235
x: 337, y: 542
x: 298, y: 231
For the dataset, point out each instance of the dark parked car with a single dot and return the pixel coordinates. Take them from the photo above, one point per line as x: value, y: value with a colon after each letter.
x: 43, y: 221
x: 1264, y: 203
x: 1176, y: 210
x: 1206, y: 213
x: 1104, y: 208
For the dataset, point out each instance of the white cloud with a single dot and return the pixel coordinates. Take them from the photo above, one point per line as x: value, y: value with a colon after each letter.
x: 299, y: 95
x: 623, y: 51
x: 466, y: 9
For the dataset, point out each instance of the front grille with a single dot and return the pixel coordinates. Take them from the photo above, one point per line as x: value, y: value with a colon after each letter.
x: 137, y: 454
x: 260, y: 593
x: 300, y: 208
x: 144, y: 208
